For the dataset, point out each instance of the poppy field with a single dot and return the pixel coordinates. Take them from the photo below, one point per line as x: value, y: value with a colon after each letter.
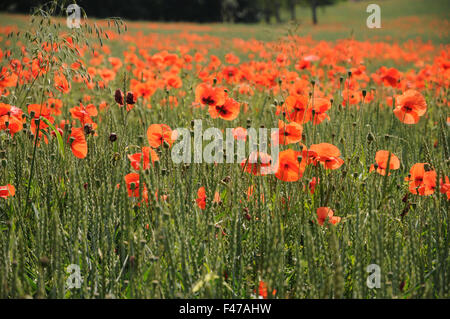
x: 91, y: 119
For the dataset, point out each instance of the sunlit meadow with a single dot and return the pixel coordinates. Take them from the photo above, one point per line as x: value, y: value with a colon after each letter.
x: 88, y: 124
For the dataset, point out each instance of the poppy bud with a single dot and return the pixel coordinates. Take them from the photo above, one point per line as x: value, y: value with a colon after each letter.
x: 166, y: 145
x: 112, y: 137
x: 313, y: 82
x: 130, y: 98
x: 349, y: 74
x: 4, y: 163
x: 118, y: 96
x: 341, y: 79
x: 370, y: 137
x: 132, y: 186
x: 364, y: 93
x: 6, y: 124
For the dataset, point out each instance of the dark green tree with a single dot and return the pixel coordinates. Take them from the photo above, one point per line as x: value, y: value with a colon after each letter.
x: 315, y: 4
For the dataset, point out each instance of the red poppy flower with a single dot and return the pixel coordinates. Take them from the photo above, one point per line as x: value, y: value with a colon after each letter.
x: 320, y: 106
x: 327, y: 154
x: 79, y: 144
x: 157, y: 134
x: 445, y: 187
x: 325, y: 212
x: 421, y: 181
x: 381, y: 159
x: 10, y: 118
x: 288, y: 167
x: 201, y: 198
x: 146, y: 154
x: 7, y: 191
x: 410, y: 106
x: 287, y: 133
x: 228, y: 111
x: 239, y: 133
x: 258, y: 164
x: 296, y: 108
x: 132, y: 182
x: 262, y: 290
x: 207, y: 95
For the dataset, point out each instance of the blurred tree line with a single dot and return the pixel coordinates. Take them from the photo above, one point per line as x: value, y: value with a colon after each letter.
x: 240, y: 11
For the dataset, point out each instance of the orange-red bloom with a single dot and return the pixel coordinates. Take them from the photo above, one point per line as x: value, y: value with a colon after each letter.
x: 7, y: 191
x: 145, y: 156
x: 258, y: 164
x: 157, y: 134
x: 132, y: 182
x: 78, y: 142
x: 207, y: 95
x: 201, y: 198
x: 325, y: 212
x: 445, y: 187
x: 421, y: 181
x: 320, y: 106
x: 262, y: 290
x: 288, y: 133
x: 289, y: 169
x: 327, y: 154
x: 296, y: 108
x: 228, y: 111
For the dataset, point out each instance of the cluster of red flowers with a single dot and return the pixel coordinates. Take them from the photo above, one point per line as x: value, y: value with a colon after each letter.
x: 307, y: 73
